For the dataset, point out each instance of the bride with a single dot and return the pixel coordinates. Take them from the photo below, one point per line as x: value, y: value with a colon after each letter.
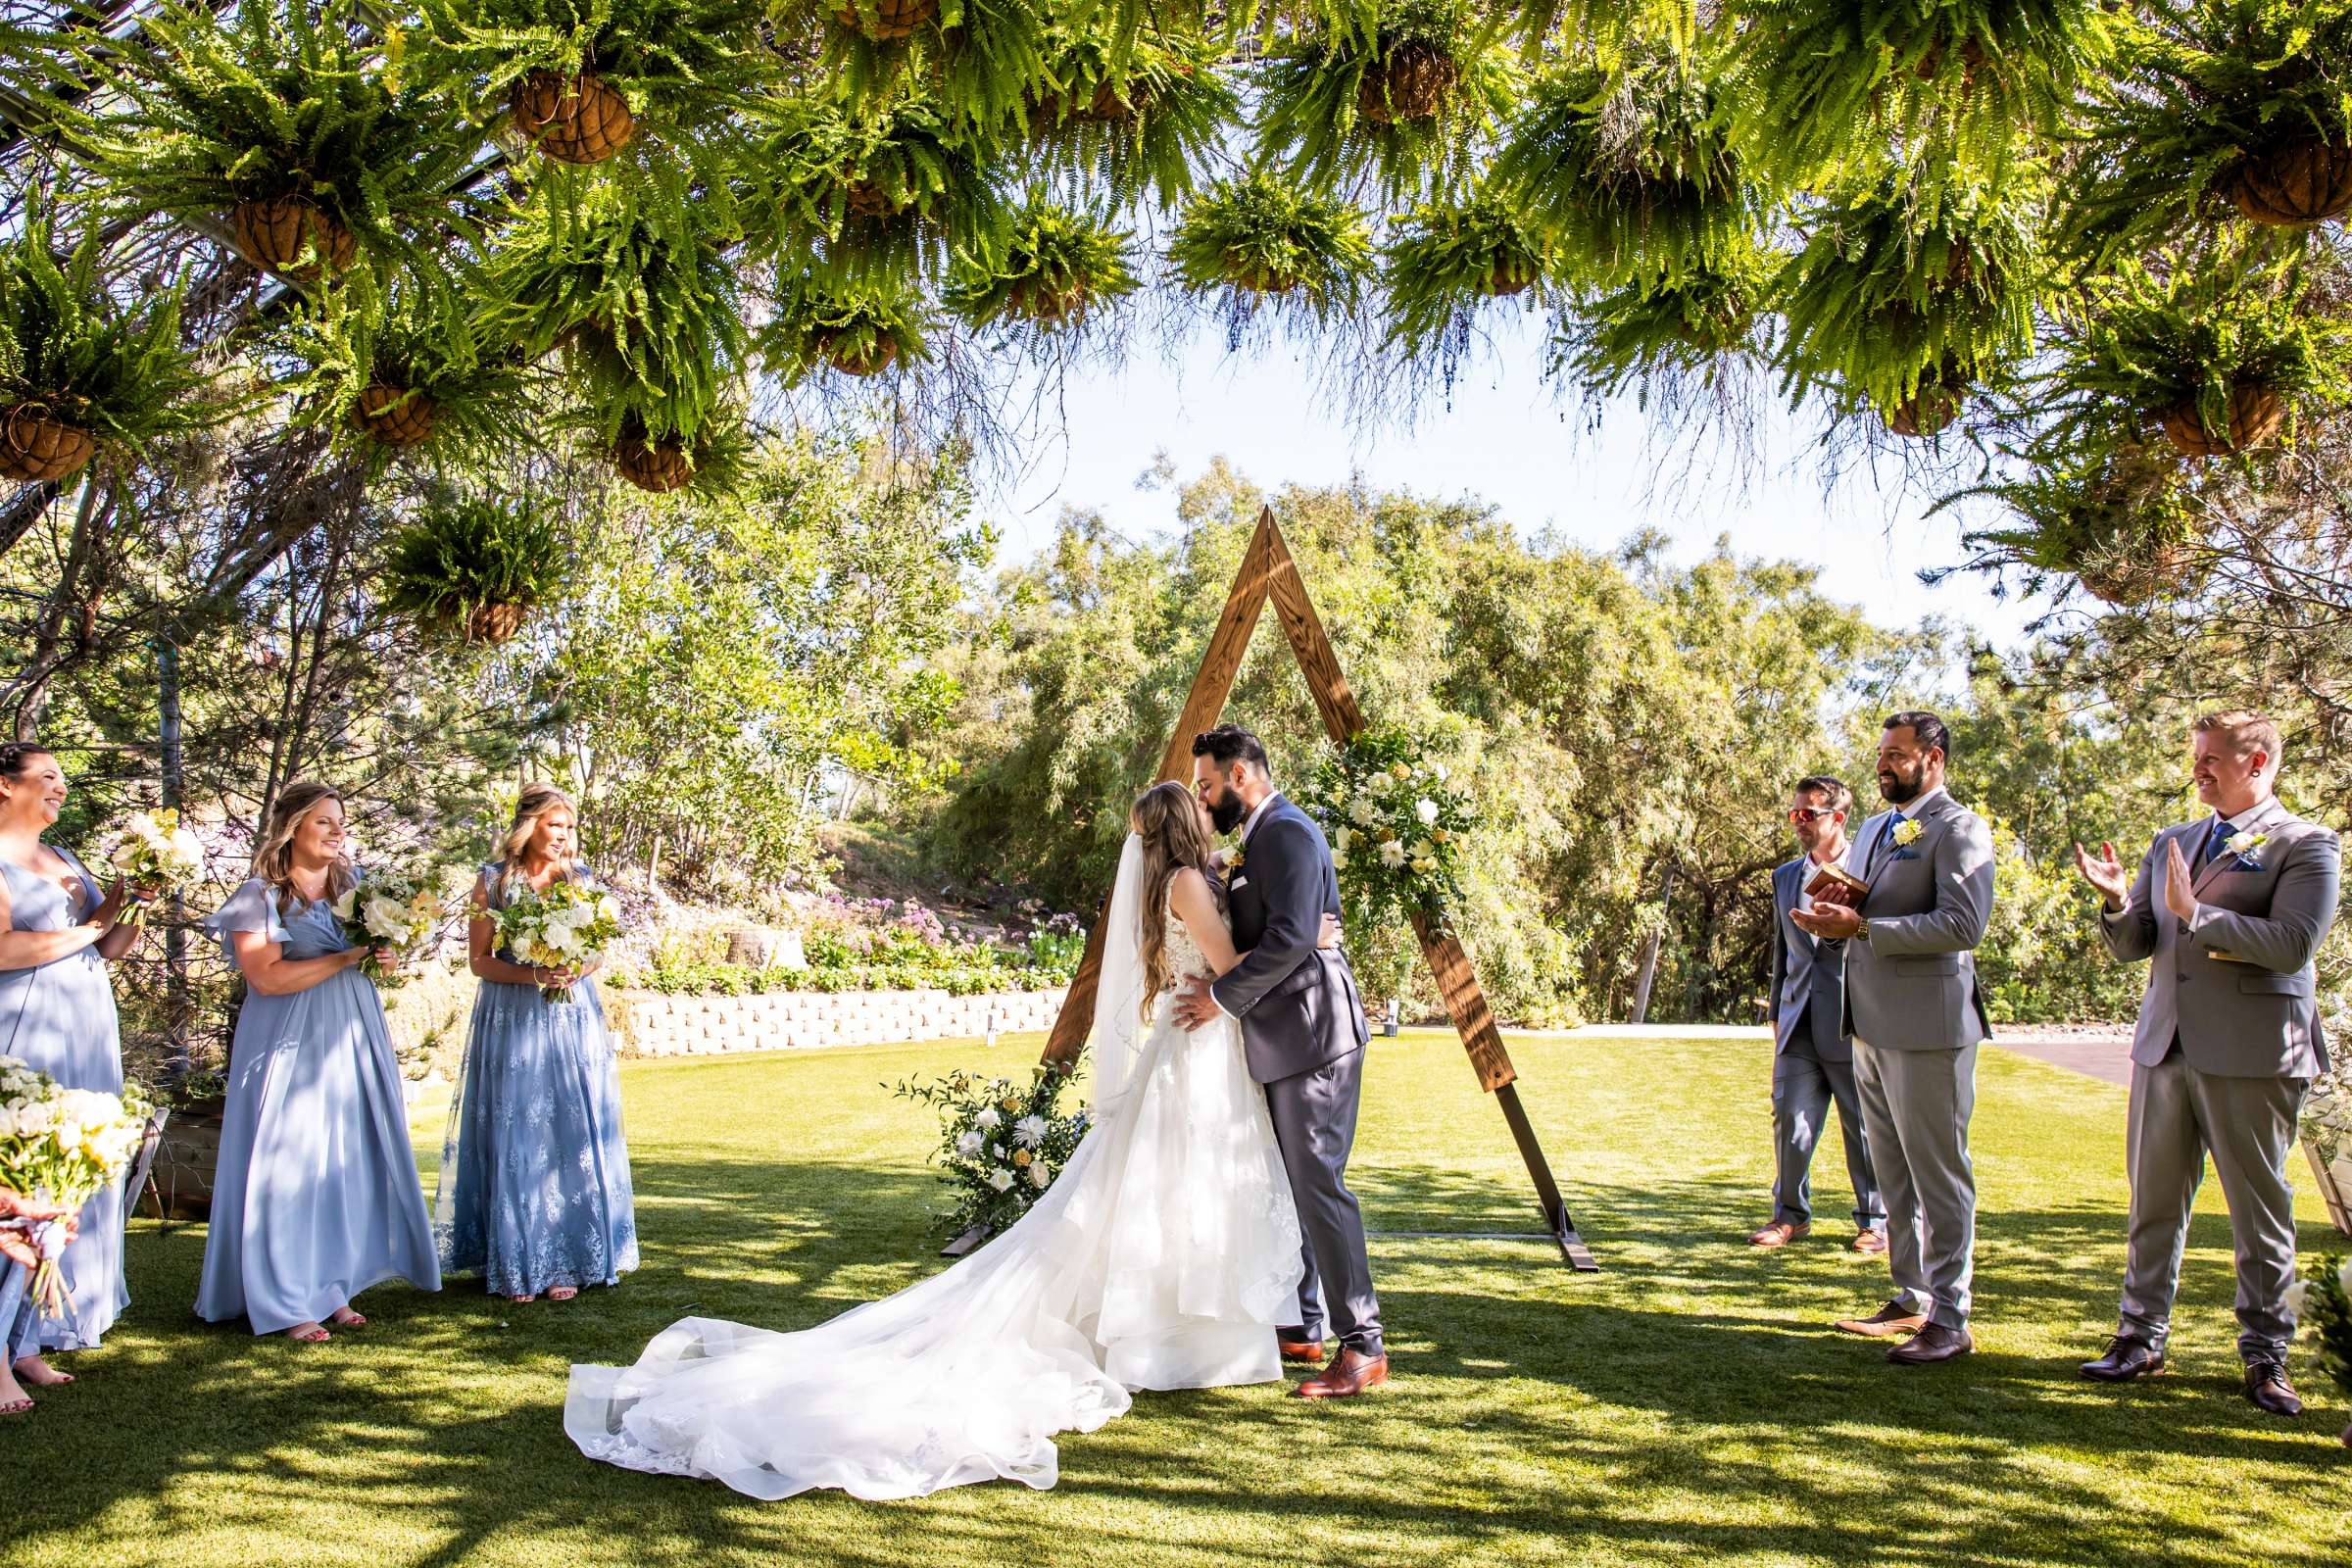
x: 1162, y: 1258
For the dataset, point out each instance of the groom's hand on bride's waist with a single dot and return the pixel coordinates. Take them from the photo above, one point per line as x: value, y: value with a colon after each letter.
x: 1195, y: 1006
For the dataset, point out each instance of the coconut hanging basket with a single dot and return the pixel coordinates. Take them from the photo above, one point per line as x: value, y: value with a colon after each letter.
x: 36, y: 447
x: 2133, y: 575
x: 2293, y: 186
x: 654, y: 466
x: 2256, y: 414
x: 1925, y: 412
x: 573, y: 119
x: 892, y: 19
x: 291, y: 237
x: 494, y: 624
x: 395, y: 415
x: 856, y: 359
x: 1411, y: 84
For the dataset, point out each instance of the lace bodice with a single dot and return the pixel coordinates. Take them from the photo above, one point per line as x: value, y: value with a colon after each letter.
x: 1185, y: 960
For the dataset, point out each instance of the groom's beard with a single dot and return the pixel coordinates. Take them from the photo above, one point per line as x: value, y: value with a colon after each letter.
x: 1226, y: 811
x: 1898, y: 789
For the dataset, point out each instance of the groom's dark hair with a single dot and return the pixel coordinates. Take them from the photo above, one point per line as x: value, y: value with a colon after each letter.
x: 1229, y: 743
x: 1929, y: 729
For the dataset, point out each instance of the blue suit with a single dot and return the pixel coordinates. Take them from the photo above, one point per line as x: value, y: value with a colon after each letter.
x: 1813, y: 1060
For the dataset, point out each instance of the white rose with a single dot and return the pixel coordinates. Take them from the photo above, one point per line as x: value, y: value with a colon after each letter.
x: 8, y: 1121
x: 387, y: 917
x: 1029, y: 1131
x: 2297, y: 1291
x: 607, y: 907
x: 344, y: 904
x: 2343, y: 1276
x: 968, y: 1144
x: 1039, y: 1175
x: 1437, y: 770
x: 988, y: 1118
x: 1341, y: 839
x: 1000, y: 1178
x: 1338, y: 861
x: 1427, y: 809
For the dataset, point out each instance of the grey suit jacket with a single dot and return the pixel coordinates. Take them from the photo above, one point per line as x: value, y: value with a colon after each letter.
x: 1298, y: 1003
x: 2255, y: 1019
x: 1913, y: 985
x: 1804, y: 970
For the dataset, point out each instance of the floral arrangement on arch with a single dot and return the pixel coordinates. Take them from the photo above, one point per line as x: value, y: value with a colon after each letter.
x: 2321, y: 1300
x: 1397, y: 827
x: 2326, y: 1119
x: 1001, y: 1144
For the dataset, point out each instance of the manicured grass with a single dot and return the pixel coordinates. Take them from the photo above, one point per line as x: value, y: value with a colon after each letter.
x: 1688, y: 1406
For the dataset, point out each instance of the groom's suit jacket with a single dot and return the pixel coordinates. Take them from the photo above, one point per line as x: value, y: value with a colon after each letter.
x: 2269, y: 907
x: 1913, y: 985
x: 1297, y: 1003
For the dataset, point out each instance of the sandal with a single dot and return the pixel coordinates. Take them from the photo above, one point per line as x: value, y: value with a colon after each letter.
x: 317, y: 1334
x: 343, y: 1317
x: 562, y: 1292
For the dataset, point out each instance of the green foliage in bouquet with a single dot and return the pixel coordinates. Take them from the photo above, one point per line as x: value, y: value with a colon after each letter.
x: 78, y: 373
x: 1626, y: 169
x: 984, y: 58
x: 471, y: 567
x: 284, y: 120
x: 2322, y: 1303
x: 2221, y: 354
x: 1257, y: 237
x: 2217, y: 106
x: 855, y: 329
x: 1400, y: 91
x: 581, y: 79
x: 1057, y: 263
x: 2121, y: 520
x: 1667, y: 333
x: 647, y: 313
x: 1132, y: 117
x: 1445, y: 261
x: 1831, y: 89
x: 1903, y: 296
x: 1001, y: 1144
x: 873, y: 191
x: 408, y: 378
x: 1397, y: 831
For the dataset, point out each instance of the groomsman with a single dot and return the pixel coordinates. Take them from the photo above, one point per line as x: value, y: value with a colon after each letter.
x: 1917, y: 1014
x: 1813, y: 1060
x: 2230, y: 908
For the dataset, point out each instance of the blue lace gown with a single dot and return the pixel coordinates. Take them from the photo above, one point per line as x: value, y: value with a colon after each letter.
x: 534, y: 1185
x: 60, y: 1018
x: 317, y: 1198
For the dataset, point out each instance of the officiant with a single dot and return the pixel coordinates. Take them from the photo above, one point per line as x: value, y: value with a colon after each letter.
x: 1813, y: 1056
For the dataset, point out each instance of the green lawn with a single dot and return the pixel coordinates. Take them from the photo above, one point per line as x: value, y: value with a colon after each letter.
x: 1686, y: 1406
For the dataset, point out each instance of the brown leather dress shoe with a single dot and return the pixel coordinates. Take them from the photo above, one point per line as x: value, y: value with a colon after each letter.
x: 1886, y: 1322
x: 1933, y: 1344
x: 2125, y: 1358
x: 1871, y: 1244
x: 1305, y: 1351
x: 1350, y: 1373
x: 2268, y: 1388
x: 1780, y: 1232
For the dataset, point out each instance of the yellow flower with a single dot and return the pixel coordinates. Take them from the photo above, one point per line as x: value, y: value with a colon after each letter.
x: 1013, y: 1105
x: 1401, y: 770
x: 1440, y: 834
x: 1022, y: 1156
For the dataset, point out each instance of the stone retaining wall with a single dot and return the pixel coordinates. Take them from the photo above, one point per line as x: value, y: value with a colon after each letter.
x: 646, y: 1023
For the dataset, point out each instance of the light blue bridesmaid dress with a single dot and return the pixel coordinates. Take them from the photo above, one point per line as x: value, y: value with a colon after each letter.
x: 316, y: 1196
x: 534, y: 1184
x: 60, y: 1018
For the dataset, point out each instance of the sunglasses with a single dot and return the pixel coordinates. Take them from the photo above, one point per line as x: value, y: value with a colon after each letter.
x: 1809, y: 813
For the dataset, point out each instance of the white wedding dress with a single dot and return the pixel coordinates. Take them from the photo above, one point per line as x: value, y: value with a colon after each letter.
x: 1163, y: 1257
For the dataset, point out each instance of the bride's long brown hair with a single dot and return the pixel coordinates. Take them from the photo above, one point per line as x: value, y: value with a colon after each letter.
x: 1175, y: 834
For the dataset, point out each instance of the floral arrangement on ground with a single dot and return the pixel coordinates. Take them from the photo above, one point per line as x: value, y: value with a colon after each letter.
x: 1001, y: 1144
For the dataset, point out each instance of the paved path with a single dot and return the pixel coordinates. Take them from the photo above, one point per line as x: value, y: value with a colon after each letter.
x: 2105, y: 1056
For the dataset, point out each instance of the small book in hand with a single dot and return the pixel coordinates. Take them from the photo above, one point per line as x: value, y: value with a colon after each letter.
x: 2220, y: 956
x: 1835, y: 884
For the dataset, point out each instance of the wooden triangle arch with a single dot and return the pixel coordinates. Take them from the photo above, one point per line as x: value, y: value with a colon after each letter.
x: 1270, y: 572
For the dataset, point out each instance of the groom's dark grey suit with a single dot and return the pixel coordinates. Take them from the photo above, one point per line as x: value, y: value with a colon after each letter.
x: 1304, y: 1031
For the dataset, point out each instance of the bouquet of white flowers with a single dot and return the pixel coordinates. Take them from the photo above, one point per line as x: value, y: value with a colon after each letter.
x: 1001, y: 1144
x: 389, y: 909
x: 62, y: 1145
x: 154, y: 852
x: 564, y: 925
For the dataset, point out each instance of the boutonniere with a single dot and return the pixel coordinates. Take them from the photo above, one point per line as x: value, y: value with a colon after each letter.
x: 2243, y: 846
x: 1907, y: 832
x: 1232, y: 862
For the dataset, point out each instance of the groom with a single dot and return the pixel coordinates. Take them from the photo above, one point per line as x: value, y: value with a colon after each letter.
x: 1303, y: 1032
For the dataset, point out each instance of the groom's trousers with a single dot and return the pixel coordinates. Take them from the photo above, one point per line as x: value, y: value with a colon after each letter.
x: 1314, y: 1122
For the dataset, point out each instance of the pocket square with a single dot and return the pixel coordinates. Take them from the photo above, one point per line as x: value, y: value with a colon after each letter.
x: 1237, y: 884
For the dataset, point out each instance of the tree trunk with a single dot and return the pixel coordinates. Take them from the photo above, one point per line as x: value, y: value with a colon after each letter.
x: 1649, y: 954
x: 175, y: 934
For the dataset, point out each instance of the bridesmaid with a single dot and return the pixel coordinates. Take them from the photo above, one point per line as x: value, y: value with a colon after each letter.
x: 534, y: 1187
x: 57, y: 1012
x: 317, y: 1198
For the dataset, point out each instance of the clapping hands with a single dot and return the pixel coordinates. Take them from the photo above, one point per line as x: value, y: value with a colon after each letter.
x: 2108, y: 875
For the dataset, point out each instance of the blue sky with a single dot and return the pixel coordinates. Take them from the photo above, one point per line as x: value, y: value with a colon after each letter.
x: 1504, y: 439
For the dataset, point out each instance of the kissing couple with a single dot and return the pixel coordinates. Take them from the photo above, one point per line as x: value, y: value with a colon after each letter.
x: 1200, y: 1234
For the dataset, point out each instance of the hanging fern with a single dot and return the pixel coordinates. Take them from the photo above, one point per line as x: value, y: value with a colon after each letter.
x: 980, y: 60
x: 2123, y: 519
x: 871, y: 192
x: 1132, y: 117
x: 282, y: 122
x: 1259, y: 238
x: 855, y: 329
x: 471, y: 567
x: 1627, y: 168
x: 651, y: 325
x: 1904, y: 296
x: 1397, y: 100
x: 2220, y: 107
x: 1445, y: 262
x: 407, y: 377
x: 1059, y: 263
x: 1670, y: 333
x: 1829, y: 90
x: 77, y: 373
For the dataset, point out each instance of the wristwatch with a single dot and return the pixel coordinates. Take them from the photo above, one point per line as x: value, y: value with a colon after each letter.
x: 1862, y: 931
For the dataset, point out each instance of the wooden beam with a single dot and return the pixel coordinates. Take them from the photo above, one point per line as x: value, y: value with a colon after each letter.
x: 1466, y: 1006
x: 1334, y: 698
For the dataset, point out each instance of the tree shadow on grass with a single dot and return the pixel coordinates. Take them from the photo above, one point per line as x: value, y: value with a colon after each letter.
x: 1687, y: 1404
